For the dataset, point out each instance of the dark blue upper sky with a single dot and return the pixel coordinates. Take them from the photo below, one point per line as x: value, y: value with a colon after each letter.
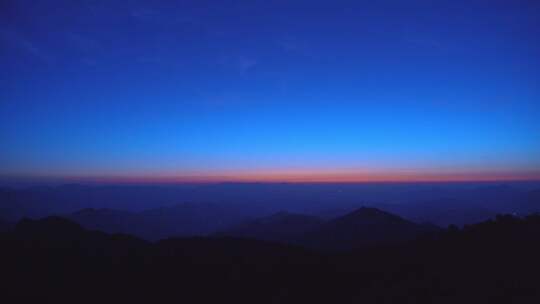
x: 295, y: 90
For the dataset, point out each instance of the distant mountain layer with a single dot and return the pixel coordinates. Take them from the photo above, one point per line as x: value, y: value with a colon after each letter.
x: 179, y: 220
x: 282, y: 226
x: 153, y: 212
x: 364, y: 227
x: 441, y: 204
x: 360, y: 228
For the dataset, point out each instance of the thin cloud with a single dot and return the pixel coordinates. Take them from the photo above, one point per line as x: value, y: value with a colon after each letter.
x: 245, y: 64
x: 294, y: 45
x: 83, y: 42
x: 23, y: 43
x: 239, y: 63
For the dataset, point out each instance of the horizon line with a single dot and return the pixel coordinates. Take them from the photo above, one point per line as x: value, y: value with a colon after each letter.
x: 289, y: 177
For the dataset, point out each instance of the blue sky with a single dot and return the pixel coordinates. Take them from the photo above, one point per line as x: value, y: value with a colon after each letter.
x: 218, y: 88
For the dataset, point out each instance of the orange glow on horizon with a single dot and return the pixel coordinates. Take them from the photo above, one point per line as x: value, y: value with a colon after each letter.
x: 306, y: 176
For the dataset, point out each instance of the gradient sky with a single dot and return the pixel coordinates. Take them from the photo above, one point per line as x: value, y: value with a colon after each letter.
x: 270, y: 90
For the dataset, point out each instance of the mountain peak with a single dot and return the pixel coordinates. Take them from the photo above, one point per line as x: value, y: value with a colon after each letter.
x: 363, y: 227
x: 54, y: 226
x: 370, y: 214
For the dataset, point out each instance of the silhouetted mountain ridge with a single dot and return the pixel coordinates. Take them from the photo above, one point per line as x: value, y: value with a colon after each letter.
x: 440, y: 204
x: 188, y: 219
x: 363, y: 227
x: 359, y: 228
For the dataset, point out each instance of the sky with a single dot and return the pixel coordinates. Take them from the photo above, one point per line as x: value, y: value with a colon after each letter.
x: 180, y: 91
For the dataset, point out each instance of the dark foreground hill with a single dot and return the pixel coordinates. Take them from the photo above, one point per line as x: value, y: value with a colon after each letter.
x: 56, y: 261
x: 5, y: 226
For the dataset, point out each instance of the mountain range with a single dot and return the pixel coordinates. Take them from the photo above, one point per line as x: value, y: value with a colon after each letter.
x: 439, y: 203
x: 360, y: 228
x: 179, y: 220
